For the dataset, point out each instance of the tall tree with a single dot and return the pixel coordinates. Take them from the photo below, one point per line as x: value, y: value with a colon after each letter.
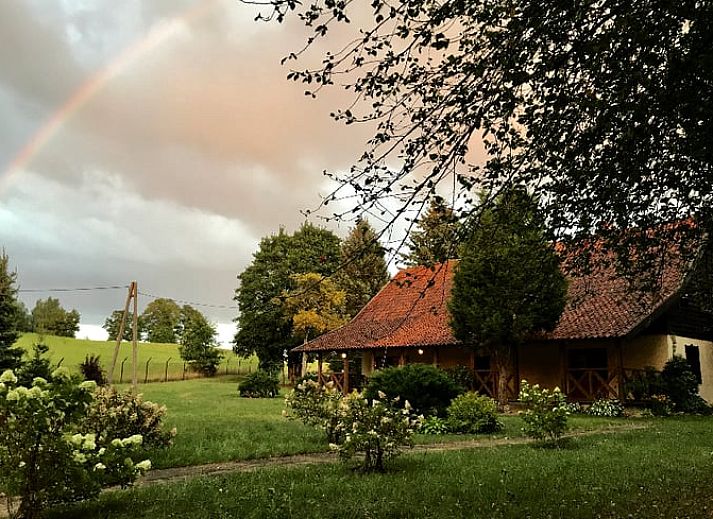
x: 10, y: 356
x: 48, y: 316
x: 363, y: 271
x: 508, y: 283
x: 160, y: 320
x: 314, y: 306
x: 262, y: 327
x: 606, y: 108
x: 197, y: 343
x: 435, y: 238
x: 113, y: 323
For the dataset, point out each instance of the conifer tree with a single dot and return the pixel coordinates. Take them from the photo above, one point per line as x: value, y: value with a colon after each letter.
x: 10, y: 356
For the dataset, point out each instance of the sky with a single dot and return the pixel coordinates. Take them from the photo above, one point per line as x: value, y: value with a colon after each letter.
x: 157, y: 141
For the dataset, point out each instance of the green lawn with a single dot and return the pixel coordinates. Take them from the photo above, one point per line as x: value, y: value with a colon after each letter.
x: 71, y: 352
x: 215, y: 424
x: 659, y: 472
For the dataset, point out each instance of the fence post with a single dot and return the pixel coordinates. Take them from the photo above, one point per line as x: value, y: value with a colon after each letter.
x: 60, y: 362
x: 226, y: 366
x: 146, y: 373
x: 165, y: 373
x: 121, y: 375
x: 184, y: 371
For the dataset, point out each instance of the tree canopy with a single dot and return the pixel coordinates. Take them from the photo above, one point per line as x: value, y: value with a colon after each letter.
x: 363, y: 268
x: 10, y: 356
x: 508, y: 283
x: 48, y: 316
x: 314, y: 306
x: 605, y: 108
x: 436, y: 236
x: 113, y: 323
x: 160, y: 320
x: 197, y: 343
x: 262, y: 327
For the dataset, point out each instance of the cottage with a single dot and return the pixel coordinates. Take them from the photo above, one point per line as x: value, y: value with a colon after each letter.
x: 608, y: 333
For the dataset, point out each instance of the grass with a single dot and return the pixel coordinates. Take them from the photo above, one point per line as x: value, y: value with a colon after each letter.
x: 662, y: 471
x: 214, y: 424
x: 71, y: 352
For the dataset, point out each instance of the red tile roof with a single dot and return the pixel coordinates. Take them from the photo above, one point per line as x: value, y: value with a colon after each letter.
x: 411, y: 310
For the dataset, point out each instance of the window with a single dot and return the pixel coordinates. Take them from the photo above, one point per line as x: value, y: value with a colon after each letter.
x: 693, y: 356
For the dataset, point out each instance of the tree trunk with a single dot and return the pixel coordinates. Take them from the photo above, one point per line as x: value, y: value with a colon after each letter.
x: 503, y: 361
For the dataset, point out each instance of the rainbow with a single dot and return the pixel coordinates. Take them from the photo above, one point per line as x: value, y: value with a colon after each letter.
x: 80, y: 97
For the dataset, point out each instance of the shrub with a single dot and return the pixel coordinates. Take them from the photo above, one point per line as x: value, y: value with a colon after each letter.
x: 546, y: 412
x: 681, y: 386
x: 259, y: 384
x: 433, y: 425
x: 379, y: 428
x: 206, y: 361
x: 91, y: 369
x: 609, y: 407
x: 120, y: 414
x: 45, y: 455
x: 315, y: 405
x: 428, y: 389
x: 644, y: 385
x: 471, y: 413
x: 660, y: 405
x: 38, y: 365
x: 462, y: 376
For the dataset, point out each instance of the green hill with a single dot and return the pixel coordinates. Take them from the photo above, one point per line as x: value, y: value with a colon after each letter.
x: 71, y: 352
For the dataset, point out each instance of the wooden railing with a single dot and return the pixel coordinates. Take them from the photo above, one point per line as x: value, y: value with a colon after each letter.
x: 336, y: 378
x: 591, y: 384
x: 485, y: 382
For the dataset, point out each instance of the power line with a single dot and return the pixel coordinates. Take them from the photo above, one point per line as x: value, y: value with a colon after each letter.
x: 192, y: 303
x: 79, y: 289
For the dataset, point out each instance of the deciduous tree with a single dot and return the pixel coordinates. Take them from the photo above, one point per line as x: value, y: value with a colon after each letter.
x: 48, y: 316
x: 605, y: 108
x: 314, y: 306
x: 508, y: 283
x: 197, y: 343
x: 160, y: 320
x: 113, y: 323
x: 262, y: 327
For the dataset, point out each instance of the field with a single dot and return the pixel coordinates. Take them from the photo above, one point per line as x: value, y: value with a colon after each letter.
x: 648, y: 468
x: 71, y: 352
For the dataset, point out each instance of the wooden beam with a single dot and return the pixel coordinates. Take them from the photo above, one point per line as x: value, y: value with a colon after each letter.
x: 121, y: 333
x: 319, y: 367
x: 346, y: 373
x: 435, y: 357
x: 402, y: 358
x: 134, y: 336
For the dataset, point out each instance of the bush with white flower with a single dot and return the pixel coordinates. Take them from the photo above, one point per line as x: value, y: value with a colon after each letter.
x: 46, y: 456
x: 316, y: 405
x: 546, y: 412
x: 607, y: 407
x: 378, y: 428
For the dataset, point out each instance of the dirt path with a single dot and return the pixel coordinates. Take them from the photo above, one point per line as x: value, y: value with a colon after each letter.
x: 172, y: 475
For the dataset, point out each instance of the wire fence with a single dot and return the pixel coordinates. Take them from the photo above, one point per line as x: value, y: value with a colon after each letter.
x: 170, y: 370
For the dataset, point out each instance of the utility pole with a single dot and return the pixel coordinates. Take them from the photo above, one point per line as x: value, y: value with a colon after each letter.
x: 132, y: 295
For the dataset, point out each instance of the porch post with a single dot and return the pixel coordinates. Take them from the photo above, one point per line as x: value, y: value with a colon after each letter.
x: 367, y: 362
x: 303, y: 366
x: 563, y: 368
x: 402, y: 358
x: 319, y: 368
x: 346, y: 373
x: 435, y: 357
x: 472, y: 366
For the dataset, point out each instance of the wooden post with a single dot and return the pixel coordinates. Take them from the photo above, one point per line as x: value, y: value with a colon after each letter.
x: 346, y: 373
x: 319, y: 368
x: 402, y: 358
x: 304, y: 364
x: 621, y: 390
x: 121, y: 333
x: 435, y: 357
x: 134, y: 336
x: 563, y: 368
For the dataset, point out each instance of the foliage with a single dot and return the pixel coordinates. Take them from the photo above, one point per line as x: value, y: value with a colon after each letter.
x: 121, y: 414
x: 681, y: 386
x: 428, y: 389
x: 608, y: 407
x: 91, y: 369
x: 643, y: 386
x: 541, y: 86
x: 661, y: 405
x: 160, y: 320
x: 259, y: 384
x: 314, y: 306
x: 436, y: 236
x: 262, y: 327
x: 45, y: 457
x: 316, y: 405
x: 434, y: 425
x: 197, y: 341
x: 376, y: 427
x: 546, y: 412
x: 10, y: 356
x: 363, y: 269
x: 462, y: 376
x: 24, y: 318
x: 37, y: 365
x: 113, y: 323
x: 508, y: 283
x: 471, y: 413
x: 49, y: 317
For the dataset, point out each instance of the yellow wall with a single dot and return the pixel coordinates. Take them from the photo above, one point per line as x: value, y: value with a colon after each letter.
x: 540, y: 364
x: 705, y: 349
x: 647, y: 350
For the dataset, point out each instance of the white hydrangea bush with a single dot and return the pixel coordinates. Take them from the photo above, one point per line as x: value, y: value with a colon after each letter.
x: 546, y: 412
x: 316, y: 405
x: 45, y: 456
